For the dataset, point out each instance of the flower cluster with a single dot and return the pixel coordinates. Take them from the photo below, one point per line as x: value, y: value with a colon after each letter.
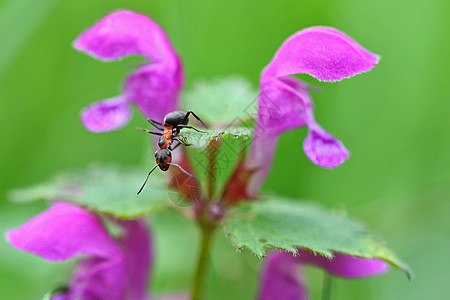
x: 118, y: 267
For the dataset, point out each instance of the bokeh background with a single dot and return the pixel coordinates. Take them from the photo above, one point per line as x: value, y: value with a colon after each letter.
x: 394, y: 120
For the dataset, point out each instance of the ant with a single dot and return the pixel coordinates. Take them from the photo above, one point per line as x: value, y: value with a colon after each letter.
x: 173, y: 123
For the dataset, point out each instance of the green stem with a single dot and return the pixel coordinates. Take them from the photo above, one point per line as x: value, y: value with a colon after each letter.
x: 207, y: 227
x: 212, y: 159
x: 327, y: 285
x: 202, y: 263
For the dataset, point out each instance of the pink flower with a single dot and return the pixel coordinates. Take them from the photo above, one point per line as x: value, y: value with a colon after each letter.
x: 285, y: 103
x: 282, y: 279
x: 153, y: 88
x: 109, y: 268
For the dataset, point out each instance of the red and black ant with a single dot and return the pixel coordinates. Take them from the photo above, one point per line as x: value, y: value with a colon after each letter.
x: 173, y: 123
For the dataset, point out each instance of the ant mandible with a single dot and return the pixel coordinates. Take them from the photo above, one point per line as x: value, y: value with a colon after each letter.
x: 173, y: 123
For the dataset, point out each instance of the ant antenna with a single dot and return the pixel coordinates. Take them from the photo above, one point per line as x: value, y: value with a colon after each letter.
x: 183, y: 170
x: 140, y: 190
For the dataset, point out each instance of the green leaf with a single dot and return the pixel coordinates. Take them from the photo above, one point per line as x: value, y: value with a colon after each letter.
x: 227, y: 100
x: 287, y: 224
x: 237, y: 107
x: 103, y: 188
x: 202, y: 139
x: 229, y: 145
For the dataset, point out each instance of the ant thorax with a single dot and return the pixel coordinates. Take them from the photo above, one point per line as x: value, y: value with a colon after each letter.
x: 168, y: 132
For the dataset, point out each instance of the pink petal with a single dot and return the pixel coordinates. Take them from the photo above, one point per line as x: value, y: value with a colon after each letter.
x: 113, y: 270
x: 344, y: 265
x: 155, y: 90
x: 136, y: 245
x: 123, y: 33
x: 122, y: 277
x: 63, y: 232
x: 322, y: 52
x: 281, y: 279
x: 260, y: 159
x: 106, y: 115
x: 283, y: 105
x: 323, y: 149
x: 60, y: 297
x: 99, y: 278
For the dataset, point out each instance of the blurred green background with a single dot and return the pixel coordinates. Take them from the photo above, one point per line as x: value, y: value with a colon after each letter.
x: 394, y: 120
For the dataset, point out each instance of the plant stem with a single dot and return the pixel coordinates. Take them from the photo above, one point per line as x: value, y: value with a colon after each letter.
x: 212, y: 159
x: 200, y: 274
x: 206, y: 224
x: 327, y: 285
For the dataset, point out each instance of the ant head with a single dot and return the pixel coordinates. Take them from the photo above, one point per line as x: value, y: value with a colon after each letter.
x: 163, y: 157
x: 174, y: 118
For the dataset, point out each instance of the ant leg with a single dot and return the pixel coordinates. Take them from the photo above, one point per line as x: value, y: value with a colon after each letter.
x: 140, y: 190
x: 183, y: 170
x: 155, y: 124
x: 173, y: 148
x: 148, y: 131
x: 195, y: 116
x: 190, y: 127
x: 180, y: 142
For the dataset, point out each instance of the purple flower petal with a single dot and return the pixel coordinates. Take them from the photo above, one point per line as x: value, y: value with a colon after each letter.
x: 136, y: 245
x: 281, y: 278
x: 155, y: 90
x: 283, y: 105
x: 344, y: 265
x: 99, y: 278
x: 323, y: 149
x: 63, y: 232
x: 60, y: 297
x: 120, y: 277
x: 106, y: 115
x: 322, y: 52
x: 124, y: 33
x: 113, y: 270
x: 260, y: 160
x: 286, y: 104
x: 155, y: 87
